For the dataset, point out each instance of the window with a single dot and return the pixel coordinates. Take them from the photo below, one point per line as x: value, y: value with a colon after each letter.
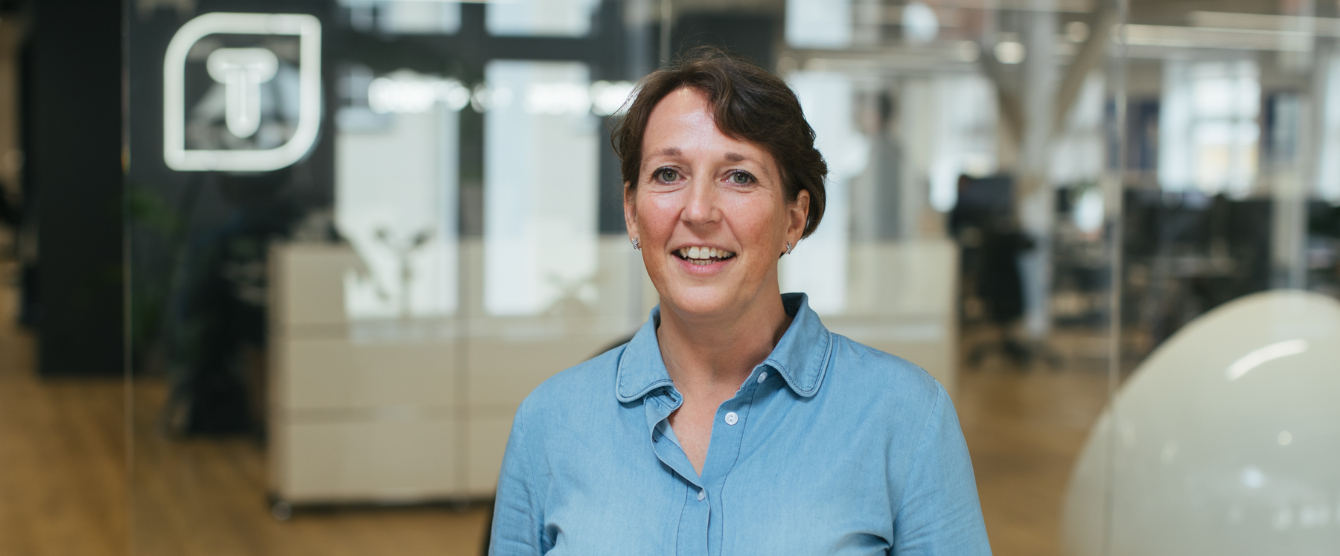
x: 540, y: 185
x: 552, y: 18
x: 1208, y: 129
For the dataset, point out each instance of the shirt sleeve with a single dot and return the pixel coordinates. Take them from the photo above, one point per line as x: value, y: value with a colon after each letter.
x: 518, y: 511
x: 940, y: 512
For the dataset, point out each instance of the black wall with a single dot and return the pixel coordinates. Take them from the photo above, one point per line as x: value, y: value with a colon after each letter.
x: 72, y: 145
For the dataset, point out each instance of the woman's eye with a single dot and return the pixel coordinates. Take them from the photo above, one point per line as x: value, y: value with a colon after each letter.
x: 741, y: 178
x: 666, y: 175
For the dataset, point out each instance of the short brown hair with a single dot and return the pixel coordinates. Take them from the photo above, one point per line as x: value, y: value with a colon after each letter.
x: 749, y: 104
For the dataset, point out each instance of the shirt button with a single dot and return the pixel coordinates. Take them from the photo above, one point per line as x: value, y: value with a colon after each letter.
x: 762, y: 377
x: 702, y: 494
x: 732, y: 418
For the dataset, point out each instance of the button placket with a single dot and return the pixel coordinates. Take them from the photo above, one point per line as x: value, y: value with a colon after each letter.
x: 694, y: 524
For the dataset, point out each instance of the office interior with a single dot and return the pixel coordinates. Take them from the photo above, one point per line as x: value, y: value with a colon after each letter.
x: 276, y: 274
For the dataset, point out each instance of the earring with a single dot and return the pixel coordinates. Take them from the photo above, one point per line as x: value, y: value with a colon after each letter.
x: 637, y: 245
x: 788, y: 248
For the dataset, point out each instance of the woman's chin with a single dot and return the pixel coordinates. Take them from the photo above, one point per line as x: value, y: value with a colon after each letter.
x: 704, y: 302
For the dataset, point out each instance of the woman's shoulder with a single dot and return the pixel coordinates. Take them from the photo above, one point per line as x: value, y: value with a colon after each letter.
x: 586, y: 382
x: 858, y: 368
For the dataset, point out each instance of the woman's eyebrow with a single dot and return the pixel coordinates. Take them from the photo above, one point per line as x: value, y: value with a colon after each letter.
x: 669, y: 151
x: 735, y: 157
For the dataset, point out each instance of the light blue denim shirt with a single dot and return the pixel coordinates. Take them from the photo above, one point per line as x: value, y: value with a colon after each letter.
x: 829, y: 447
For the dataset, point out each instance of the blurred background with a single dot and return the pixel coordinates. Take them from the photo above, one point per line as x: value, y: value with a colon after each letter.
x: 275, y: 274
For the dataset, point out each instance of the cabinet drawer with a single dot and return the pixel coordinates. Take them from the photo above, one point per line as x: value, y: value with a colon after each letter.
x: 391, y: 461
x: 503, y: 371
x: 337, y: 373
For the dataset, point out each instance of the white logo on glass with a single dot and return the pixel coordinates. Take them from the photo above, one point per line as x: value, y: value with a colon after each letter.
x: 242, y: 72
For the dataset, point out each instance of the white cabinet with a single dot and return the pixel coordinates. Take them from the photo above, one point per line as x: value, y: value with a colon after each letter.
x: 413, y: 409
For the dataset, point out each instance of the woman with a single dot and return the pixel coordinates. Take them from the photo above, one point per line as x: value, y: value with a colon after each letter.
x: 733, y: 422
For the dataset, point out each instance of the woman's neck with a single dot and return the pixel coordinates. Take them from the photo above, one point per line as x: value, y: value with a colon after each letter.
x: 710, y: 356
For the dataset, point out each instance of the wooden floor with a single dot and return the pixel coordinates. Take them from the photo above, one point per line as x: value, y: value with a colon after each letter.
x: 206, y: 497
x: 64, y: 482
x: 1024, y: 431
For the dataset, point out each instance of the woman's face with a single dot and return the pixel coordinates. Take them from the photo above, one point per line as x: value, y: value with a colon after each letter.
x: 710, y: 211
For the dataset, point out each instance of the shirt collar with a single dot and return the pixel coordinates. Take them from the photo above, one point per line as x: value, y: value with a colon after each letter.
x: 801, y: 357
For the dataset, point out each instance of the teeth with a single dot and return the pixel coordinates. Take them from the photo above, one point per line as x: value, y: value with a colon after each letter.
x: 704, y: 255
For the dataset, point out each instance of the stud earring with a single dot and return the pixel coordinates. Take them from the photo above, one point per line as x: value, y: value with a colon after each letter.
x: 788, y: 248
x: 637, y: 245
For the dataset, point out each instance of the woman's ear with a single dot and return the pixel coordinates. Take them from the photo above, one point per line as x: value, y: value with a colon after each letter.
x: 629, y: 210
x: 798, y: 213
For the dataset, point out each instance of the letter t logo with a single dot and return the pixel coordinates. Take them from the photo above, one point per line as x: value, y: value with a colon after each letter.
x: 242, y: 71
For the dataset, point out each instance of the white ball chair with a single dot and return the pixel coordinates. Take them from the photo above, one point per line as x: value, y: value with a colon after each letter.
x: 1227, y: 440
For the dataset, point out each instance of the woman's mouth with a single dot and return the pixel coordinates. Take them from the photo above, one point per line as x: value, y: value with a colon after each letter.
x: 703, y: 256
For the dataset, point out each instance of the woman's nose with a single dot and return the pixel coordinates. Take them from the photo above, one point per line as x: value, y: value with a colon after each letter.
x: 700, y: 207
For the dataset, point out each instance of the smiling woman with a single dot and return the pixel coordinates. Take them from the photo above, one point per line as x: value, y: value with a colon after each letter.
x: 733, y: 422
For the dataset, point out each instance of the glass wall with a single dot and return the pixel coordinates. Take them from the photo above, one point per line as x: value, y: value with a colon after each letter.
x: 1216, y: 439
x: 361, y: 232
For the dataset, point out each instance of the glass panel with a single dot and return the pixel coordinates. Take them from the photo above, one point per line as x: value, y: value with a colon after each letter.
x: 339, y: 311
x: 557, y: 18
x: 408, y: 17
x: 396, y: 177
x: 974, y: 160
x: 1208, y: 127
x: 375, y: 247
x: 820, y: 263
x: 818, y: 23
x: 1215, y: 440
x: 540, y: 184
x: 1328, y: 174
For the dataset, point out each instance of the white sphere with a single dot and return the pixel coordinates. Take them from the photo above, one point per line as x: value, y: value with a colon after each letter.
x: 1228, y: 440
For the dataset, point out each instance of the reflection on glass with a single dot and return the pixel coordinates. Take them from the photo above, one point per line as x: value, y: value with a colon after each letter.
x: 1078, y: 153
x: 884, y: 201
x: 556, y: 18
x: 819, y: 264
x: 1328, y: 178
x: 874, y: 275
x: 1208, y: 130
x: 540, y: 187
x: 818, y: 23
x: 245, y: 108
x: 956, y: 116
x: 436, y: 396
x: 408, y: 17
x: 920, y: 24
x: 396, y: 190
